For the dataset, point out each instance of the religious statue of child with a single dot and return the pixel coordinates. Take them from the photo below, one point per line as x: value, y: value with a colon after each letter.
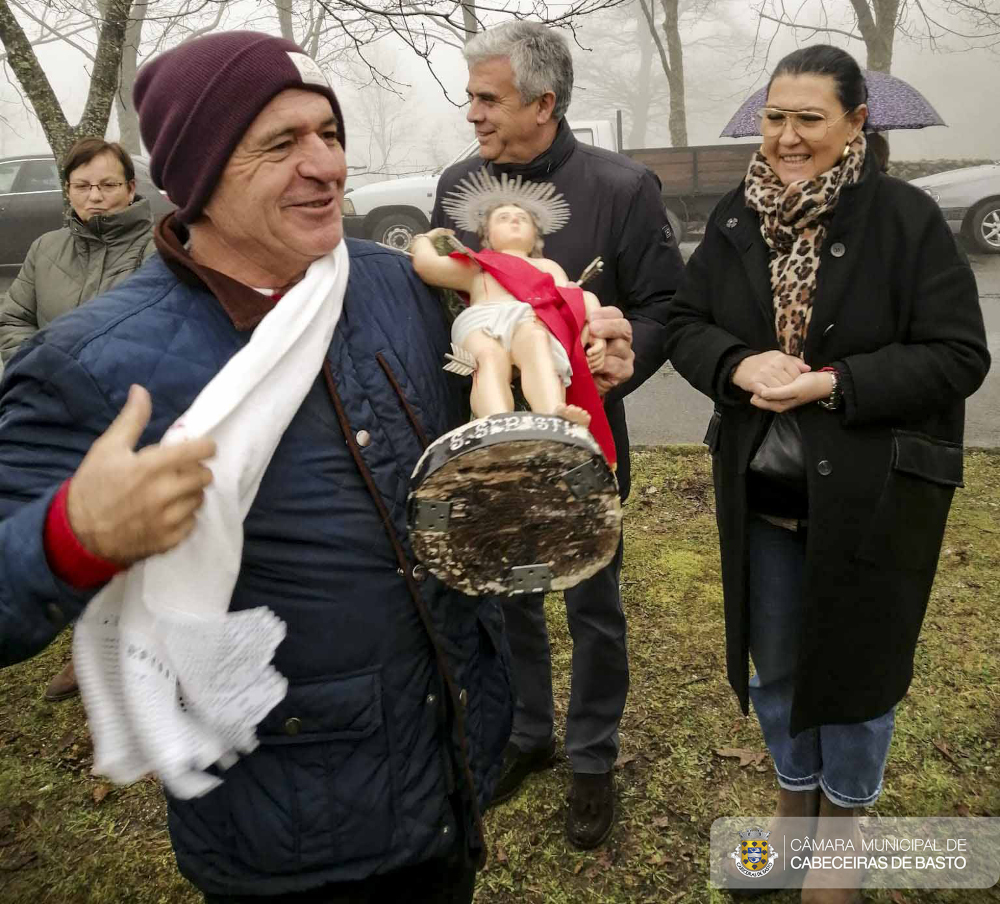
x: 523, y: 311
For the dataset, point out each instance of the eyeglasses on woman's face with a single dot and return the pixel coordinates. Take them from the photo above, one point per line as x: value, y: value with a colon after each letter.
x: 105, y: 186
x: 808, y: 125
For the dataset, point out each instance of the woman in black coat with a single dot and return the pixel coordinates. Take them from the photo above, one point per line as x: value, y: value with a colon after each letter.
x: 829, y: 296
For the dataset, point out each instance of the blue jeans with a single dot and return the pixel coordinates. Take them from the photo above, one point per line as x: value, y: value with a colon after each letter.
x: 846, y: 761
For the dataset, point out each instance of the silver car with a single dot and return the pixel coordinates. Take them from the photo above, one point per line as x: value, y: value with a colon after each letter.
x: 970, y: 202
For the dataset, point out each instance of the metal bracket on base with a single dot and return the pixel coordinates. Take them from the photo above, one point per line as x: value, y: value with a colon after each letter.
x: 430, y: 514
x: 585, y: 479
x: 531, y: 579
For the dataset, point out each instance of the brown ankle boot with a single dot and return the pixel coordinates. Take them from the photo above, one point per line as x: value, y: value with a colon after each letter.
x: 63, y: 685
x: 823, y: 886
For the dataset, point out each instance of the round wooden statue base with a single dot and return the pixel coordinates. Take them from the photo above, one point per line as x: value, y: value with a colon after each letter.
x: 514, y: 503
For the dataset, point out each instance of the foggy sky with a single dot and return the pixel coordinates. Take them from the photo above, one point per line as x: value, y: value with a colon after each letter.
x: 959, y: 85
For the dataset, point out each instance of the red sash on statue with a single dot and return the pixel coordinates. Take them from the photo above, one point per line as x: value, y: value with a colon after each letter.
x: 564, y: 313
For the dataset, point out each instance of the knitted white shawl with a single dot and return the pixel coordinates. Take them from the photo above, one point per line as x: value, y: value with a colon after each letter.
x: 172, y: 681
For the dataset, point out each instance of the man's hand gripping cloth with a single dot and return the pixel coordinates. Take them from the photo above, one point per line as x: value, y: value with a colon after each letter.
x: 563, y: 311
x: 172, y: 682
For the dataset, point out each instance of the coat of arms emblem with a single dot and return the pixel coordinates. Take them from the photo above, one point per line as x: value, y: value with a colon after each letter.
x: 754, y: 856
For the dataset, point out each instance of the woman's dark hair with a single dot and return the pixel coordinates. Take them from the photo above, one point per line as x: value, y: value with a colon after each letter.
x: 852, y: 90
x: 86, y: 149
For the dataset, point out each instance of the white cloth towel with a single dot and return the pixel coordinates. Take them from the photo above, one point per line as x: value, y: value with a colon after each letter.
x: 171, y: 680
x: 500, y: 319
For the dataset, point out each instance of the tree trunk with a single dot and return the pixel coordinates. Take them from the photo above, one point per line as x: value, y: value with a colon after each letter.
x: 317, y: 31
x: 644, y: 89
x: 672, y: 60
x: 469, y: 19
x: 284, y: 8
x: 128, y: 119
x: 106, y: 74
x: 877, y: 24
x: 675, y: 76
x: 34, y: 82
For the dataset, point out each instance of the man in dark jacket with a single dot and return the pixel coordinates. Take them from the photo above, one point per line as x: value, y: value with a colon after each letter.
x: 371, y: 773
x: 520, y: 83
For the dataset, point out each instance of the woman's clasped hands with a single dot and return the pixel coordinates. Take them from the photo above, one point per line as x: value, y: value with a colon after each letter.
x: 780, y: 382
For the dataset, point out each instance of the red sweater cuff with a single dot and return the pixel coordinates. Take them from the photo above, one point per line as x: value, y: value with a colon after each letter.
x: 69, y: 560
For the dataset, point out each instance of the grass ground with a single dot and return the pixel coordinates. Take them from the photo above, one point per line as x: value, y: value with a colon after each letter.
x: 66, y: 837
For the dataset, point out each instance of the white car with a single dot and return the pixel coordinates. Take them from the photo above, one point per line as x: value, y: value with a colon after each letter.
x: 392, y: 212
x: 970, y: 201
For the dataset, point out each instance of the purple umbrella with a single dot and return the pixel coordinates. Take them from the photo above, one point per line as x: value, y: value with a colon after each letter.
x: 892, y: 104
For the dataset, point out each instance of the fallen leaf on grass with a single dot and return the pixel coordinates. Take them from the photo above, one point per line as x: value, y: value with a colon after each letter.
x: 100, y: 792
x: 661, y: 822
x: 501, y: 854
x: 746, y: 757
x: 962, y: 810
x: 897, y: 898
x: 577, y: 868
x: 947, y: 754
x: 624, y: 760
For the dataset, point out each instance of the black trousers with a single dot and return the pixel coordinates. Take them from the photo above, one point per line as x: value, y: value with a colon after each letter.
x: 599, y: 684
x: 448, y: 880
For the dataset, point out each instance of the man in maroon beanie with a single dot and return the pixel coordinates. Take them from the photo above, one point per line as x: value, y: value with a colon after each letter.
x: 372, y: 772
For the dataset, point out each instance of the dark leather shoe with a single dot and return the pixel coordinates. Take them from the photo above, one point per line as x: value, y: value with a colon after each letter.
x: 518, y: 765
x: 591, y: 809
x: 63, y: 685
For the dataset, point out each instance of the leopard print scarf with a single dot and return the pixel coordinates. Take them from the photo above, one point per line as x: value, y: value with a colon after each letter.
x: 793, y: 222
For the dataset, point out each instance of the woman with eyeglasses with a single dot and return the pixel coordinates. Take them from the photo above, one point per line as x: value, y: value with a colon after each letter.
x: 107, y: 238
x: 835, y: 324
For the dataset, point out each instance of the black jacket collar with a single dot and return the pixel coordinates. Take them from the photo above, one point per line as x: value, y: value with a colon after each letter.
x: 547, y: 162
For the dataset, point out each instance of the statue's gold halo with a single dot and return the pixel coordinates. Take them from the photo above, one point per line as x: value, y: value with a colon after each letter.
x: 478, y: 193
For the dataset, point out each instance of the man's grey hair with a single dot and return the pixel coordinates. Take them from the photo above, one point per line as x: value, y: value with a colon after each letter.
x: 539, y: 57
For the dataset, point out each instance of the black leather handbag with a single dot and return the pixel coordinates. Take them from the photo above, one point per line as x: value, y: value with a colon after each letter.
x: 781, y: 456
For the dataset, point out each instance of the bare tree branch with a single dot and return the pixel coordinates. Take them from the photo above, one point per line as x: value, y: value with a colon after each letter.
x: 54, y: 32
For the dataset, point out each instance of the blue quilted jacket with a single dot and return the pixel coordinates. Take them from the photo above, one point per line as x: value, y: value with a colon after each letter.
x: 390, y: 738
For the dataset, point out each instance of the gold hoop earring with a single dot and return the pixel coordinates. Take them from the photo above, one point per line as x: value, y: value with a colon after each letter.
x: 847, y: 150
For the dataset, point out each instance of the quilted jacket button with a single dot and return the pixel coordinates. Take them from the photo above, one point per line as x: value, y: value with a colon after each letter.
x: 419, y: 573
x: 364, y: 438
x: 825, y: 468
x: 293, y: 726
x: 837, y: 249
x: 463, y: 697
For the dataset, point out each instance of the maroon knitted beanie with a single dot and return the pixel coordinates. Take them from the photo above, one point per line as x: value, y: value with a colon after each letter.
x: 196, y: 101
